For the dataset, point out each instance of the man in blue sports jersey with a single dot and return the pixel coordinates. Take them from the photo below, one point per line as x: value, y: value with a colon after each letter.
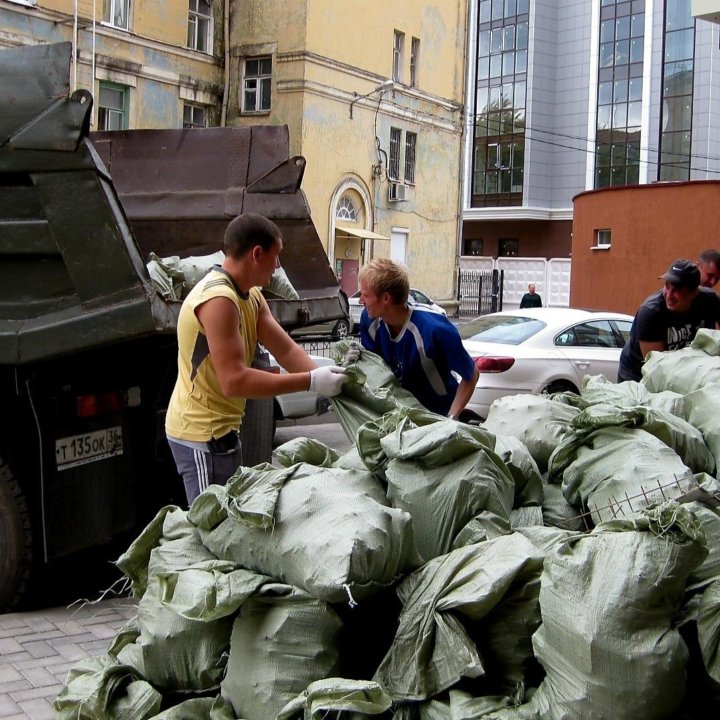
x: 421, y: 346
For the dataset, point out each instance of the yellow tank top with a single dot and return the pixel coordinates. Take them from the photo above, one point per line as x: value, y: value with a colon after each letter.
x: 198, y: 409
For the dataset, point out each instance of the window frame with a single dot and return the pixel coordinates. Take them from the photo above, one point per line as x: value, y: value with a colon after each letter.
x: 195, y: 17
x: 602, y: 238
x: 394, y: 160
x: 410, y: 157
x: 124, y: 112
x: 260, y: 78
x: 193, y: 107
x: 414, y: 61
x: 398, y: 58
x: 110, y: 11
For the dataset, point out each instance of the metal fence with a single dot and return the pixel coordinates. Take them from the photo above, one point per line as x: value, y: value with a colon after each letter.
x: 480, y: 291
x: 321, y: 346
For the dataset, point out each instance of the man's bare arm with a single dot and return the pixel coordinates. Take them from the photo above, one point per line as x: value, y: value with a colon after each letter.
x: 219, y: 319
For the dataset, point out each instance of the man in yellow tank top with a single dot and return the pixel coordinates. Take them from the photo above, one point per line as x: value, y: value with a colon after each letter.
x: 221, y: 321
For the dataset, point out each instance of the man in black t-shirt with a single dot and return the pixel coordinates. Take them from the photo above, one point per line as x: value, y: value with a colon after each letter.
x: 530, y: 299
x: 669, y: 318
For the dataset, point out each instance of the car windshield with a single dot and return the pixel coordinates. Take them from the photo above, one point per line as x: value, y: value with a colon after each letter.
x: 507, y: 329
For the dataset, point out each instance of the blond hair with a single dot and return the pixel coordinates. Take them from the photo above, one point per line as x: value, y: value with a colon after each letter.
x: 383, y: 275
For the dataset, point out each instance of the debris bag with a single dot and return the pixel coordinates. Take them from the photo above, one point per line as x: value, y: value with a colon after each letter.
x: 559, y: 513
x: 685, y: 370
x: 134, y: 561
x: 337, y: 697
x: 701, y: 411
x: 180, y: 654
x: 446, y: 475
x: 282, y: 640
x: 679, y: 435
x: 608, y: 642
x: 199, y: 709
x: 305, y: 450
x: 371, y: 390
x: 327, y: 531
x: 101, y: 688
x: 455, y: 705
x: 708, y: 629
x: 528, y: 516
x: 524, y: 469
x: 536, y: 420
x: 168, y: 280
x: 280, y: 287
x: 597, y: 389
x: 468, y: 614
x: 704, y: 501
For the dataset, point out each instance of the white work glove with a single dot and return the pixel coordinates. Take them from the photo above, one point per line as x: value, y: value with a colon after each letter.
x: 328, y: 380
x: 352, y: 354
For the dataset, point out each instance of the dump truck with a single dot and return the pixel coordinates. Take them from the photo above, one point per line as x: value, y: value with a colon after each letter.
x: 88, y: 345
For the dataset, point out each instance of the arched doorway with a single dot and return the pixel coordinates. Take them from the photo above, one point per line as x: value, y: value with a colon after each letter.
x: 351, y: 231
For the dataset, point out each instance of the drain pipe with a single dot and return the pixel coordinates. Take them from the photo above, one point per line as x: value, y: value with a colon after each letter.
x: 226, y: 89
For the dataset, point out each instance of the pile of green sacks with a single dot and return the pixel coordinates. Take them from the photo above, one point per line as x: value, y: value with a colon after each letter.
x: 561, y: 560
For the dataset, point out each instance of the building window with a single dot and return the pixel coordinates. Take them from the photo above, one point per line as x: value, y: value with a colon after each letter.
x: 499, y: 118
x: 410, y: 146
x: 257, y: 78
x: 677, y: 92
x: 508, y: 247
x: 117, y: 13
x: 619, y: 98
x: 113, y: 107
x: 200, y: 24
x: 398, y: 52
x: 346, y: 209
x: 473, y: 246
x: 394, y: 162
x: 194, y: 116
x: 603, y: 238
x: 414, y: 61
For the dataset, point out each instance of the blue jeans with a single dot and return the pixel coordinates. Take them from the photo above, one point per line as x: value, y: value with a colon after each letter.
x: 214, y: 464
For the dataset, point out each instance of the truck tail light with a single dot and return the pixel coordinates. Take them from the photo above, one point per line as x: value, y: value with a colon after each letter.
x: 105, y: 403
x: 490, y: 364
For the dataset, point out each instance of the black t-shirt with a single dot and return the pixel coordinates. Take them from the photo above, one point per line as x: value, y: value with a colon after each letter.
x: 655, y: 323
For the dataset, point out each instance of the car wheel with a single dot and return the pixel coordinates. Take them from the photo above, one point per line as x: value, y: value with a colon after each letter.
x: 560, y: 386
x: 15, y: 540
x: 341, y: 329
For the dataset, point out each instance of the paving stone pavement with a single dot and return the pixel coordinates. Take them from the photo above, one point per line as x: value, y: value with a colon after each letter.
x: 37, y: 649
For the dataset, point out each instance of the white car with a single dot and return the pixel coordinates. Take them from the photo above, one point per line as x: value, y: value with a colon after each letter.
x: 541, y: 350
x: 293, y: 406
x: 416, y: 297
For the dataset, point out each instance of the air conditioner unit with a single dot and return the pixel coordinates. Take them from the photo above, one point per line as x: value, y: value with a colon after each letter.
x: 397, y: 192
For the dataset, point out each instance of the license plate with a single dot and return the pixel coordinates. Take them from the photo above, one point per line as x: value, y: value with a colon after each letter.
x: 89, y: 447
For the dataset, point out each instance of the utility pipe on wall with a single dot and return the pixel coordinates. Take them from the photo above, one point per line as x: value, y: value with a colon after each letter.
x: 226, y: 89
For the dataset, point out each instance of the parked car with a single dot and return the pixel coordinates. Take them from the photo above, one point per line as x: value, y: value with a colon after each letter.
x: 293, y: 406
x: 542, y: 350
x: 335, y: 329
x: 416, y: 297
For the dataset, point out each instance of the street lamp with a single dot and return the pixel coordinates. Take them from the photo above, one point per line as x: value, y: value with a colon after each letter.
x: 381, y: 88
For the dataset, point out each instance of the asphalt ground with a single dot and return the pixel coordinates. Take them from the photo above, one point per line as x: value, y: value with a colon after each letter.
x: 69, y: 622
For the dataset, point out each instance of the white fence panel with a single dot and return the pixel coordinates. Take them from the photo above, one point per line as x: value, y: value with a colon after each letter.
x: 519, y: 273
x: 558, y: 282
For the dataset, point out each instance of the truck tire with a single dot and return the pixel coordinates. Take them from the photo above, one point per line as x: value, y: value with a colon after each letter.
x: 15, y: 540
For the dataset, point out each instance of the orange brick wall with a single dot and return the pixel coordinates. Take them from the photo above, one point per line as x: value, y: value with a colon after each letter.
x: 651, y: 226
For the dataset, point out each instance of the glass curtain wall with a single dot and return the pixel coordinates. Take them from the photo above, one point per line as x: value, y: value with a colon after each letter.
x: 619, y: 101
x: 499, y: 118
x: 677, y: 91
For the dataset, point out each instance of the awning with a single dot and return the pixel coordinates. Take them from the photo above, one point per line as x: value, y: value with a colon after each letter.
x: 367, y: 234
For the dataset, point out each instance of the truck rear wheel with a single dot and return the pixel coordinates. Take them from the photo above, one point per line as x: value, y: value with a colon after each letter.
x: 15, y: 540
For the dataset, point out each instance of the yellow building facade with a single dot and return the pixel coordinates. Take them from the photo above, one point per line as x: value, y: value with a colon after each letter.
x: 152, y: 64
x: 373, y: 100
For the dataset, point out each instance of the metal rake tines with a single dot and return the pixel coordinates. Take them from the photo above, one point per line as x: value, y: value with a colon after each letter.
x: 670, y: 490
